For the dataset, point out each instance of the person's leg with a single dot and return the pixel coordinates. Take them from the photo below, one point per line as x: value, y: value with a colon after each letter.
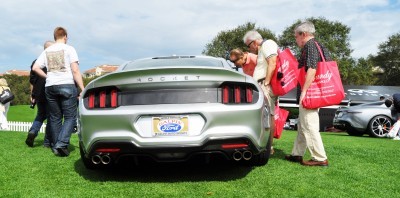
x: 300, y: 144
x: 68, y: 97
x: 40, y: 117
x: 270, y: 101
x: 54, y: 120
x: 47, y: 142
x: 313, y: 137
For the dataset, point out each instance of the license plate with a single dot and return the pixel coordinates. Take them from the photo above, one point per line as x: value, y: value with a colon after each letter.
x: 170, y: 125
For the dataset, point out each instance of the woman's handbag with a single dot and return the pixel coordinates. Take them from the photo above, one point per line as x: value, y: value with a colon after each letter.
x: 286, y: 73
x: 6, y: 96
x: 327, y: 87
x: 280, y: 120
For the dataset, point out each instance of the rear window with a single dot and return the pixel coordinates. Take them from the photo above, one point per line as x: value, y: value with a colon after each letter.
x: 173, y: 61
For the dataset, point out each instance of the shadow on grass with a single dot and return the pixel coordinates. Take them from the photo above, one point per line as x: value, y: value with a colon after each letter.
x: 147, y: 171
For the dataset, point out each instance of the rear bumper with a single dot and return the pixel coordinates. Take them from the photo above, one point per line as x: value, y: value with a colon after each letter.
x: 125, y: 149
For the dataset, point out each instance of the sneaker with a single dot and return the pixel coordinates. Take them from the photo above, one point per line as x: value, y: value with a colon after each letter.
x: 29, y: 140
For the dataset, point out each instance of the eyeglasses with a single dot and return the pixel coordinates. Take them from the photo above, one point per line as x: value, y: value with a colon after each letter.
x: 234, y: 61
x: 250, y: 43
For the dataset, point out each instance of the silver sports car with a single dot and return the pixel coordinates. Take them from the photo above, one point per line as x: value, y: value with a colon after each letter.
x: 373, y: 118
x: 173, y: 109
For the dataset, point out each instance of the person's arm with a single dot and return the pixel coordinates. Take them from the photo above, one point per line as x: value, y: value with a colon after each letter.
x: 77, y: 76
x: 271, y: 61
x: 38, y: 71
x: 309, y: 79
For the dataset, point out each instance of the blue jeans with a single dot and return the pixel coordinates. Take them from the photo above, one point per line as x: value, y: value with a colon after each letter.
x: 41, y: 116
x: 62, y: 101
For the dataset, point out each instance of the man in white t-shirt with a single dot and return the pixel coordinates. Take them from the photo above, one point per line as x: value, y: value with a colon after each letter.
x: 62, y: 79
x: 267, y: 51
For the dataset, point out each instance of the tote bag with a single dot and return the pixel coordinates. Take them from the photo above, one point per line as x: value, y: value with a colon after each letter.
x: 6, y: 95
x: 280, y: 120
x: 327, y: 87
x: 286, y: 73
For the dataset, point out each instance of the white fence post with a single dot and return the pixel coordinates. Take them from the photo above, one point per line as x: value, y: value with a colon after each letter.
x: 23, y: 126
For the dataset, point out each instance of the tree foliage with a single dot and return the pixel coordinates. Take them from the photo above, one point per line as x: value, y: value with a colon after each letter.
x: 229, y: 39
x: 388, y: 58
x: 20, y: 87
x: 361, y: 73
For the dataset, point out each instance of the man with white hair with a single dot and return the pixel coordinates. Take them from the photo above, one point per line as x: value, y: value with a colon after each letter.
x: 308, y: 136
x: 267, y: 51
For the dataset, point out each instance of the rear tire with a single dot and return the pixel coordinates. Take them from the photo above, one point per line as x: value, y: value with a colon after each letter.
x: 379, y: 126
x: 262, y: 158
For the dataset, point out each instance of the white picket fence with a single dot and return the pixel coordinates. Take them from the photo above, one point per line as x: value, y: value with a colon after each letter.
x: 23, y: 126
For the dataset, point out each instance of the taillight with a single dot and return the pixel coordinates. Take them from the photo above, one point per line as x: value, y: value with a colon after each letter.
x: 225, y: 94
x: 91, y: 100
x: 102, y: 98
x: 249, y: 95
x: 237, y: 93
x: 114, y: 98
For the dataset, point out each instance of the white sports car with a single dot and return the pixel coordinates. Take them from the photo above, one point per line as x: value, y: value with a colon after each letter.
x: 172, y: 109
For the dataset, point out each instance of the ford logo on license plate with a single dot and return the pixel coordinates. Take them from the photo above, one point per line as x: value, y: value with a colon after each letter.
x: 170, y: 125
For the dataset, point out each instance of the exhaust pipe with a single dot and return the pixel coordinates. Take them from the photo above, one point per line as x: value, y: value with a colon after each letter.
x: 237, y: 155
x: 247, y: 155
x: 105, y: 159
x: 96, y: 159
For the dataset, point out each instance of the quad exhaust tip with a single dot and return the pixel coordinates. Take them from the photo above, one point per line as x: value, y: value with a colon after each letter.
x: 245, y: 155
x: 103, y: 159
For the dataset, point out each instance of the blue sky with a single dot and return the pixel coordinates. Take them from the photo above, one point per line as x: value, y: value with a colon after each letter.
x: 112, y: 32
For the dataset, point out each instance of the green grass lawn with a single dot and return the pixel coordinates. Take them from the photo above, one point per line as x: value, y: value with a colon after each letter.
x: 359, y: 167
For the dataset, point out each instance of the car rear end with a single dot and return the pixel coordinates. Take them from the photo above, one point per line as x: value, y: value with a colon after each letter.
x: 172, y: 114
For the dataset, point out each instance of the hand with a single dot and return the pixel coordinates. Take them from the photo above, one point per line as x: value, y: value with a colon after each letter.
x: 302, y: 96
x: 266, y: 83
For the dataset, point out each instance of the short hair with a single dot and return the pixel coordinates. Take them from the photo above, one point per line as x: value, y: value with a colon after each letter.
x: 47, y: 44
x: 305, y: 27
x: 59, y: 33
x: 251, y: 35
x: 236, y: 52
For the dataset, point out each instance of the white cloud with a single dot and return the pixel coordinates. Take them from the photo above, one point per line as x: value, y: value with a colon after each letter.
x: 111, y: 32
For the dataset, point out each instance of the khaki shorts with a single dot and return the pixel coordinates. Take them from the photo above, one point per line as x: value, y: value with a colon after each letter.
x: 269, y: 96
